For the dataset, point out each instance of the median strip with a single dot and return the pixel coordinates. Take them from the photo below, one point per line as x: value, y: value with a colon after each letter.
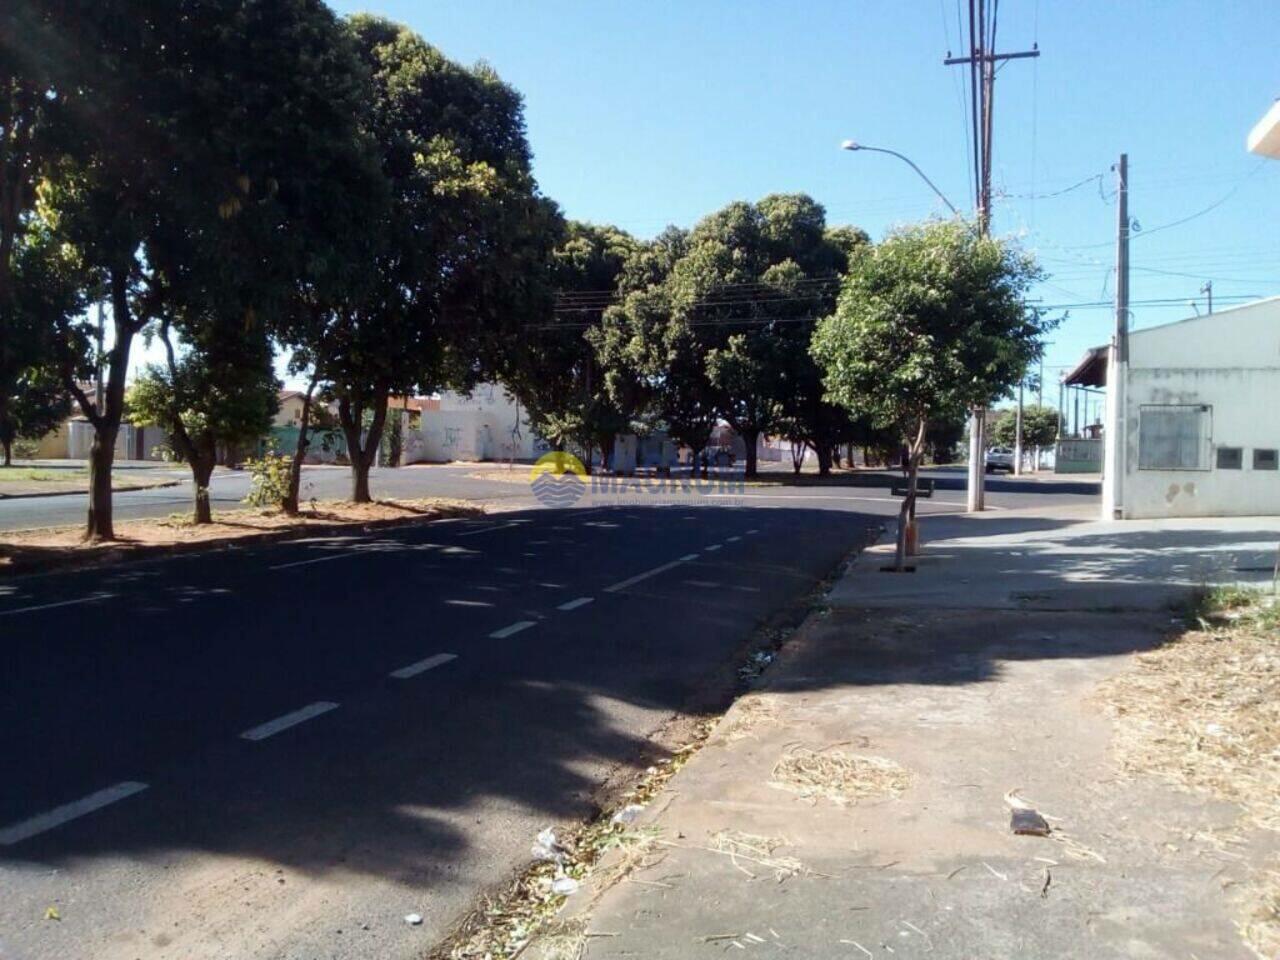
x: 68, y: 812
x: 279, y: 724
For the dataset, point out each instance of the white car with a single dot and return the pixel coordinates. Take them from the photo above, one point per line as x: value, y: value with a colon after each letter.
x: 999, y: 458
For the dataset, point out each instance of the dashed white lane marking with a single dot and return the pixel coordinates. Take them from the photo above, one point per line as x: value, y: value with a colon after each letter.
x: 703, y: 584
x: 733, y: 540
x: 68, y: 812
x: 60, y: 603
x: 713, y: 547
x: 272, y: 727
x: 422, y: 666
x: 750, y: 532
x: 575, y: 604
x: 303, y: 563
x: 512, y: 629
x: 497, y: 526
x: 632, y: 581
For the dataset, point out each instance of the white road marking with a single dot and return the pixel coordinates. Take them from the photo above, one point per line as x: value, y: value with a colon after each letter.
x: 60, y: 603
x: 303, y: 563
x: 733, y: 540
x: 750, y: 532
x: 497, y: 526
x: 422, y: 666
x: 703, y: 584
x: 575, y: 604
x: 68, y: 812
x: 272, y: 727
x: 632, y: 581
x: 714, y: 546
x: 512, y: 629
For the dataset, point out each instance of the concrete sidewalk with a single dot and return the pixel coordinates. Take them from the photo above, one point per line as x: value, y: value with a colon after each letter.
x: 857, y: 803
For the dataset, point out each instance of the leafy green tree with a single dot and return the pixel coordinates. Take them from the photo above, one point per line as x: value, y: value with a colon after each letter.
x: 746, y: 290
x: 198, y: 124
x: 464, y: 239
x: 555, y: 369
x: 930, y: 322
x: 217, y: 395
x: 1039, y: 427
x: 43, y: 291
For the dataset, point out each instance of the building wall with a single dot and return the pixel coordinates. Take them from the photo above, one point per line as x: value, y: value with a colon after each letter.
x: 1230, y: 363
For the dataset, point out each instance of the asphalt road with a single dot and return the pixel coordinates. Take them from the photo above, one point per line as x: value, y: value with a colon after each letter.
x: 278, y: 752
x: 498, y: 486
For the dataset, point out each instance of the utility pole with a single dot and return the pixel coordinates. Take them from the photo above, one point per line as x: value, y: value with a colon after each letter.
x: 982, y: 60
x: 1208, y: 289
x: 1017, y: 442
x: 1113, y: 465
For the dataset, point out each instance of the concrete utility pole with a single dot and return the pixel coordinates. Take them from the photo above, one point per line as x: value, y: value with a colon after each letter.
x: 982, y: 60
x: 1017, y: 442
x: 1208, y: 290
x: 1113, y: 465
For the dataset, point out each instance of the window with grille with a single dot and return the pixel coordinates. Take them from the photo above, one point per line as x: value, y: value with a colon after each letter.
x: 1174, y: 437
x: 1265, y: 459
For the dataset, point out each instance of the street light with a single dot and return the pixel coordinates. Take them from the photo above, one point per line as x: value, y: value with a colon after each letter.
x: 854, y: 145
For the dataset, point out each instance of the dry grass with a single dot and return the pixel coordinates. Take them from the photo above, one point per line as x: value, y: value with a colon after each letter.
x: 839, y: 776
x: 1203, y: 712
x: 757, y: 851
x: 508, y: 922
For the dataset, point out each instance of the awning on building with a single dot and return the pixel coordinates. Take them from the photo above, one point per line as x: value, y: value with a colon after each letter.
x: 1091, y: 371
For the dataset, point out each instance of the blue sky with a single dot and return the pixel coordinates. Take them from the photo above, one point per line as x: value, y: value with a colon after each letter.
x: 648, y: 113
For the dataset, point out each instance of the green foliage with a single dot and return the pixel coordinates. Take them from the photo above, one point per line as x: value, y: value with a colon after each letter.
x: 268, y: 478
x: 218, y: 394
x: 930, y: 322
x: 573, y: 392
x: 1039, y: 427
x: 42, y: 293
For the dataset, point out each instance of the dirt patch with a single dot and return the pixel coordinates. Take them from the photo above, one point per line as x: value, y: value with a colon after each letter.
x: 26, y: 550
x: 1203, y: 712
x: 839, y: 776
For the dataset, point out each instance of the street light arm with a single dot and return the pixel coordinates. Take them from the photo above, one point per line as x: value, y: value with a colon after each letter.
x: 850, y: 145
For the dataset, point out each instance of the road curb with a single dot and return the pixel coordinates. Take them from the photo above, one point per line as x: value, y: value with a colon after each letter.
x: 124, y: 553
x: 85, y: 493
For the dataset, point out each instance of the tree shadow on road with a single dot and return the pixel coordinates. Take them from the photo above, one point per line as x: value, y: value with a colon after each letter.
x: 434, y: 784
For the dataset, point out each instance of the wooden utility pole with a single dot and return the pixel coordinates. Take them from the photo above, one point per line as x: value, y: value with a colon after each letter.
x: 982, y: 60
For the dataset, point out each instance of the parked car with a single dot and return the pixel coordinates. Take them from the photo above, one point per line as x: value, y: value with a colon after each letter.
x: 999, y: 458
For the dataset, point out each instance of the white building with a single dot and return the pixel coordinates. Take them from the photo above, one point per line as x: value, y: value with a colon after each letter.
x: 1199, y: 417
x: 486, y: 424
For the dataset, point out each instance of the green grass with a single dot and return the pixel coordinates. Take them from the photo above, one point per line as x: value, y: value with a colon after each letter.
x: 41, y: 474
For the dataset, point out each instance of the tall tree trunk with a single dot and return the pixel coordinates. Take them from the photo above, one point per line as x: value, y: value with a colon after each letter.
x: 101, y: 456
x: 824, y: 460
x: 201, y: 472
x: 107, y: 411
x: 751, y: 438
x: 8, y: 452
x: 907, y: 516
x: 290, y: 503
x: 362, y: 454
